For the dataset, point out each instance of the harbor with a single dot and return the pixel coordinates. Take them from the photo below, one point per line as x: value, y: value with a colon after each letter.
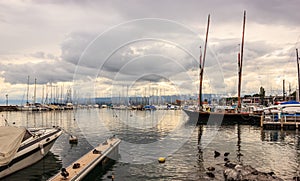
x: 192, y: 160
x: 110, y: 91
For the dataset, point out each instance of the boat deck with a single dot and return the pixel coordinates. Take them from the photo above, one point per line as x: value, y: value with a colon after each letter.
x: 88, y: 161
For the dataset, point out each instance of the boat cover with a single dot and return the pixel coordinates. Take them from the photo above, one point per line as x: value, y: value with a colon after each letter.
x: 10, y: 140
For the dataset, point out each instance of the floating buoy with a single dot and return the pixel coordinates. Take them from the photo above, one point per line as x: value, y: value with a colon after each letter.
x: 73, y: 140
x: 161, y: 160
x: 42, y: 149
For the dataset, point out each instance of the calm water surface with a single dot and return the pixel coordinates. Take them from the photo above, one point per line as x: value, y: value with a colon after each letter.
x: 148, y: 135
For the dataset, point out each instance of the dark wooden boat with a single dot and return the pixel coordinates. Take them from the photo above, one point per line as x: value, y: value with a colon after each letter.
x: 222, y: 118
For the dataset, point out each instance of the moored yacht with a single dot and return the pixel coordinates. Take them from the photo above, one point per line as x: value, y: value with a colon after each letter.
x: 21, y: 147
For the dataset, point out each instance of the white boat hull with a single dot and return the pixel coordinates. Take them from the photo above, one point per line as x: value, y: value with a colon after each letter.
x: 30, y: 154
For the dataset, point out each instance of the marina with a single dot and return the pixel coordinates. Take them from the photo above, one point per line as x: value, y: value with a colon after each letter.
x: 98, y: 91
x: 246, y: 143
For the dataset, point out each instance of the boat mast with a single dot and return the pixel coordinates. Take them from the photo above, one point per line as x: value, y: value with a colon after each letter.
x: 202, y: 63
x: 240, y: 63
x: 34, y: 97
x: 27, y: 90
x: 298, y: 73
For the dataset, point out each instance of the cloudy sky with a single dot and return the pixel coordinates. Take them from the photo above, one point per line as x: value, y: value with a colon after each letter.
x: 104, y: 48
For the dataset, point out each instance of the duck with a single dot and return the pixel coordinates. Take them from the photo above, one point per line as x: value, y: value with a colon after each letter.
x: 211, y: 168
x: 217, y: 154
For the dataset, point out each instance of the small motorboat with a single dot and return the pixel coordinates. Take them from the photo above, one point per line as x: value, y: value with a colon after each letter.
x: 21, y: 147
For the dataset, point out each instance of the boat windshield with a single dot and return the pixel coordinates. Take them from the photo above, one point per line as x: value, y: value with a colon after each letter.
x: 27, y: 135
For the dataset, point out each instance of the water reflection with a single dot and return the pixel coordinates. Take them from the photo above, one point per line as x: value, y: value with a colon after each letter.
x: 286, y: 138
x: 192, y: 147
x: 200, y: 152
x: 239, y: 141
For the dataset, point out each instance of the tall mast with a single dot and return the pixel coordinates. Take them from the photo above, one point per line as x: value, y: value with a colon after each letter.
x: 283, y: 89
x: 27, y: 89
x: 298, y: 73
x: 42, y: 101
x: 34, y: 96
x: 202, y: 63
x: 240, y: 63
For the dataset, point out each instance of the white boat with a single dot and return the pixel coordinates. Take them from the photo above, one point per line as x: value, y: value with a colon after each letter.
x: 21, y: 147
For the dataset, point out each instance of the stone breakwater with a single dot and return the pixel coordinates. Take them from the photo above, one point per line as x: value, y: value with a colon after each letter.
x: 237, y: 172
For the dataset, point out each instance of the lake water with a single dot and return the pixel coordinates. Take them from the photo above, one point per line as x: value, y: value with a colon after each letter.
x: 146, y: 136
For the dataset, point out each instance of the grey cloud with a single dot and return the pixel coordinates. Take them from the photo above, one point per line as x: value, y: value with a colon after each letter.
x: 43, y: 55
x: 114, y: 49
x: 93, y: 54
x: 45, y: 72
x: 74, y: 45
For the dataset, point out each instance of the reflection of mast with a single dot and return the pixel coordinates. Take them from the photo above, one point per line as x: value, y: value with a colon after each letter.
x: 298, y: 153
x: 200, y: 152
x: 239, y: 143
x: 240, y: 63
x: 202, y: 63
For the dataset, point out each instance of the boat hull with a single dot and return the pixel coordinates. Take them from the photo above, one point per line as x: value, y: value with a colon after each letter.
x: 30, y: 154
x: 223, y: 118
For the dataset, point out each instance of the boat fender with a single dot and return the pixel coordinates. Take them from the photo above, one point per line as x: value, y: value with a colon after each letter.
x: 95, y: 151
x: 42, y: 148
x: 76, y: 165
x: 64, y: 173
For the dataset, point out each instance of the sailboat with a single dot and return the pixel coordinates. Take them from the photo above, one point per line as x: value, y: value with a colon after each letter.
x: 21, y: 147
x: 29, y: 106
x: 225, y: 116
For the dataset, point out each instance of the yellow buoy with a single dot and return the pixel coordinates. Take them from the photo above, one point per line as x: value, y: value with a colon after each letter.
x: 161, y: 160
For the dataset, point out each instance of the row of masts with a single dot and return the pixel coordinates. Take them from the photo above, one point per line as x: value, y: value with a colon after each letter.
x: 54, y: 98
x: 240, y: 65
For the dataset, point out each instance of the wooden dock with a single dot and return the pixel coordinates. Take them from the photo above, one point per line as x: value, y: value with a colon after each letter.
x: 8, y: 108
x: 285, y: 123
x: 80, y: 168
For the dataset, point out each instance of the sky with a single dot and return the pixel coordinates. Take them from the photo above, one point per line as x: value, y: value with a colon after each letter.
x: 142, y: 47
